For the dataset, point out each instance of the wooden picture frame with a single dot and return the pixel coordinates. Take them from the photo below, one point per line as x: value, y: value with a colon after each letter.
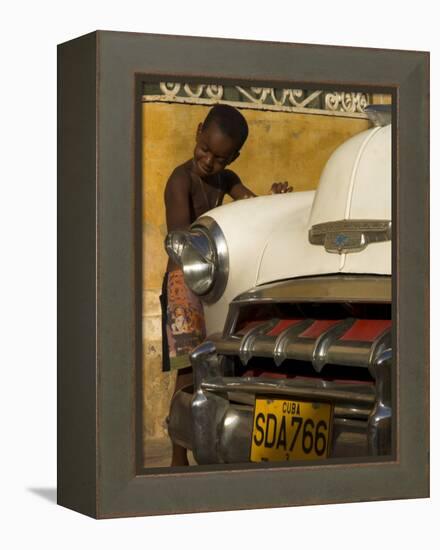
x: 99, y: 341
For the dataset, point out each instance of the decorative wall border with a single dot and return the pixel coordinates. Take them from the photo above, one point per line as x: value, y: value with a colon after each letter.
x: 346, y: 104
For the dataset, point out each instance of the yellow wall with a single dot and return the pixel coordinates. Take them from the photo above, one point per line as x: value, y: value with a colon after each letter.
x: 281, y: 146
x: 381, y: 99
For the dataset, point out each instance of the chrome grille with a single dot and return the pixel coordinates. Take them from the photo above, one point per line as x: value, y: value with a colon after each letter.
x: 299, y: 340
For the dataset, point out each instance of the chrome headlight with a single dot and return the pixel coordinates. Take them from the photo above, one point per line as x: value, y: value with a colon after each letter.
x: 202, y: 254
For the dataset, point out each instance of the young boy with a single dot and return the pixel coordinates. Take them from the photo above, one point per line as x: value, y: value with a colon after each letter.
x: 193, y: 188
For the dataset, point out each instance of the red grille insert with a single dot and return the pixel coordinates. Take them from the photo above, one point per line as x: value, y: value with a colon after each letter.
x: 282, y: 325
x: 366, y: 330
x: 318, y: 328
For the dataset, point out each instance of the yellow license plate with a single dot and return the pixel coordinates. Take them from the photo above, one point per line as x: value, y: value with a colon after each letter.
x: 290, y: 430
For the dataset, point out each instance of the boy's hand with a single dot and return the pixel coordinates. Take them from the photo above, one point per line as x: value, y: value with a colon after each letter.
x: 280, y: 187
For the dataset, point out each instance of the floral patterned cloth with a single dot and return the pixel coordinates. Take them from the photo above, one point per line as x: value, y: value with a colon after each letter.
x: 183, y: 325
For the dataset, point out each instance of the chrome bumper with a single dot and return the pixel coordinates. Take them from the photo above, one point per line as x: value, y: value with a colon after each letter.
x: 215, y: 419
x: 224, y: 435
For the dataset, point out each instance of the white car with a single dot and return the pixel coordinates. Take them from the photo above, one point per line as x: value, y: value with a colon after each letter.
x: 297, y: 298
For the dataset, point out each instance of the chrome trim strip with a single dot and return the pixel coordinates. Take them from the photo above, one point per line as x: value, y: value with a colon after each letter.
x: 351, y: 412
x: 356, y: 354
x: 329, y: 288
x: 300, y: 349
x: 316, y: 389
x: 355, y: 412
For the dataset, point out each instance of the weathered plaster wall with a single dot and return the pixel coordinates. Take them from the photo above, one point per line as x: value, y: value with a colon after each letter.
x: 281, y: 146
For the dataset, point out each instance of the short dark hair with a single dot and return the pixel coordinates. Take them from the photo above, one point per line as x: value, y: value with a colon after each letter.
x: 230, y: 121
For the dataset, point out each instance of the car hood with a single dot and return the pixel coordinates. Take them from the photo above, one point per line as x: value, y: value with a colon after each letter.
x: 355, y: 185
x: 268, y: 237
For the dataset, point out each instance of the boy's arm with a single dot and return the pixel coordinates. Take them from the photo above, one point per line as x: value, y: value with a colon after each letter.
x: 239, y: 191
x: 236, y: 189
x: 177, y: 207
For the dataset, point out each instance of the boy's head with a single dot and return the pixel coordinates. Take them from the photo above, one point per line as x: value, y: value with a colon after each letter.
x: 219, y: 139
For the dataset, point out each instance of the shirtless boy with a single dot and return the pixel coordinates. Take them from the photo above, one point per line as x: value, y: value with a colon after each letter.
x: 193, y: 188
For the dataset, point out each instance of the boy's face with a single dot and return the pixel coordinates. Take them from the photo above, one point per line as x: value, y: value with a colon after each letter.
x: 213, y: 151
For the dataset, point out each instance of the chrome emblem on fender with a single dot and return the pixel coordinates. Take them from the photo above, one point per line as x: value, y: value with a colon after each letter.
x: 345, y: 236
